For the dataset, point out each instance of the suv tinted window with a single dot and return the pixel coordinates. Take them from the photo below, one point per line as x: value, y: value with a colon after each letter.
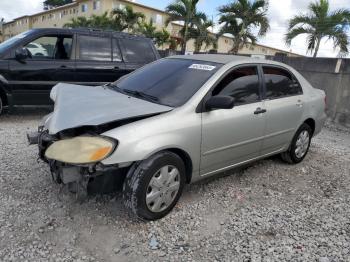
x: 116, y: 51
x: 50, y: 47
x: 242, y: 84
x: 95, y: 48
x: 136, y: 51
x: 280, y: 83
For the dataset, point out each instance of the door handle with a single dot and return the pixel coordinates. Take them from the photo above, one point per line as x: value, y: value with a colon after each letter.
x: 299, y: 103
x: 63, y: 66
x: 259, y: 110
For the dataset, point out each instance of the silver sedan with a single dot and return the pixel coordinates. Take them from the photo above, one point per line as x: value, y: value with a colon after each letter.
x: 176, y: 121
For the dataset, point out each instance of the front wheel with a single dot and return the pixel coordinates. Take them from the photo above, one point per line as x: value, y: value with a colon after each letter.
x: 300, y: 145
x: 153, y: 187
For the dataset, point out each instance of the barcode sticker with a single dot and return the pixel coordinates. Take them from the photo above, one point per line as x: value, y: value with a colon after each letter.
x: 202, y: 67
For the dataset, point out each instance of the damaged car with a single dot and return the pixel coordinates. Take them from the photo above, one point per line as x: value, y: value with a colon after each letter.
x: 176, y: 121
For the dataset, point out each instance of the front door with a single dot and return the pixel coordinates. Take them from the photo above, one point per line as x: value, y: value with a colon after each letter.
x: 284, y: 105
x: 232, y: 136
x: 49, y: 63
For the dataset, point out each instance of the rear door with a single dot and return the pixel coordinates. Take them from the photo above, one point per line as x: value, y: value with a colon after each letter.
x: 98, y: 60
x: 51, y: 61
x: 283, y: 101
x: 137, y: 52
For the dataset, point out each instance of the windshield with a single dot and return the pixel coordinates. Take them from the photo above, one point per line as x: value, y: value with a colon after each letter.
x: 170, y: 82
x: 9, y: 42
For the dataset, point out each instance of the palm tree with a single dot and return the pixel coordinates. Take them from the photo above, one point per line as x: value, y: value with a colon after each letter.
x: 184, y: 11
x: 126, y: 18
x: 201, y: 34
x: 147, y: 29
x: 80, y: 21
x: 49, y: 4
x: 240, y: 18
x: 162, y: 38
x: 321, y: 23
x: 101, y: 21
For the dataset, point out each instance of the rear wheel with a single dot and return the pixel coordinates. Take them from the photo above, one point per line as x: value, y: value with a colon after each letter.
x: 153, y: 187
x: 300, y: 145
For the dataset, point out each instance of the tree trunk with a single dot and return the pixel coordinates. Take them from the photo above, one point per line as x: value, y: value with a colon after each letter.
x: 235, y: 47
x: 317, y: 47
x: 184, y: 44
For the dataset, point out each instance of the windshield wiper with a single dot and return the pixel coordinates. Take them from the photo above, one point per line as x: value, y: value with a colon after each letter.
x: 133, y: 93
x: 140, y: 95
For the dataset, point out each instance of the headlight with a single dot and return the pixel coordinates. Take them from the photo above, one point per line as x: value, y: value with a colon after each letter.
x: 80, y: 150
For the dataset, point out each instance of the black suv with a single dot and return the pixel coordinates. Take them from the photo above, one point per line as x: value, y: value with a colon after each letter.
x: 33, y: 62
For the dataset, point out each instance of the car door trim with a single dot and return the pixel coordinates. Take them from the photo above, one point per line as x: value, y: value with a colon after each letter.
x: 241, y: 163
x: 233, y: 146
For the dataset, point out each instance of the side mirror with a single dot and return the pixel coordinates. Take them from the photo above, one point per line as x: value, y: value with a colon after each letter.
x: 220, y: 102
x: 21, y: 54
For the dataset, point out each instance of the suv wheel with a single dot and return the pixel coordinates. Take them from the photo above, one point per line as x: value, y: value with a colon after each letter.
x: 153, y: 187
x: 300, y: 145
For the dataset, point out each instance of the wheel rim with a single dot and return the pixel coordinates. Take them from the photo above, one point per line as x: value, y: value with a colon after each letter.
x: 163, y: 188
x: 302, y: 144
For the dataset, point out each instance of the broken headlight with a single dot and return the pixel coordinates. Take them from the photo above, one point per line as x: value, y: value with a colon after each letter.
x: 81, y: 150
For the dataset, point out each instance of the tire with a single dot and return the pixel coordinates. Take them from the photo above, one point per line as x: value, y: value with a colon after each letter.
x: 162, y: 177
x: 294, y: 156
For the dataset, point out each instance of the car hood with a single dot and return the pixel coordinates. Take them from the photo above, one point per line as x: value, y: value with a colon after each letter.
x: 77, y: 106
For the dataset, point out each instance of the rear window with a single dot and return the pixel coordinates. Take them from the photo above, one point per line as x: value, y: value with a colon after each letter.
x: 171, y: 81
x: 280, y: 83
x: 137, y: 51
x: 95, y: 48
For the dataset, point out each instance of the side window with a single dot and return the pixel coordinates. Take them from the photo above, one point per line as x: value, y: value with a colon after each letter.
x: 137, y: 51
x: 116, y: 51
x: 95, y: 48
x: 279, y: 83
x: 242, y: 84
x: 50, y: 47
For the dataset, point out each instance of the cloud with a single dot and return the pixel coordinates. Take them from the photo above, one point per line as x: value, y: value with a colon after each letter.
x: 15, y: 8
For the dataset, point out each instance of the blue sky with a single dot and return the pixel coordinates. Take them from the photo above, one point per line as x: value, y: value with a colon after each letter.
x: 208, y: 6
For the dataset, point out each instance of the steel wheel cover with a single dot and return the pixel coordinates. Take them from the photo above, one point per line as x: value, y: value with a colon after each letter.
x: 302, y: 144
x: 163, y: 188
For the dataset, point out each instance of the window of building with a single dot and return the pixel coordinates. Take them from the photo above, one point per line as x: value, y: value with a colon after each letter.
x: 97, y: 5
x: 159, y: 19
x: 242, y: 84
x: 50, y: 47
x: 84, y: 8
x: 95, y: 48
x: 280, y: 83
x: 137, y: 51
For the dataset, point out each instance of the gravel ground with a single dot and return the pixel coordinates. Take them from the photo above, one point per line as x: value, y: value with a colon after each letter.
x: 269, y: 211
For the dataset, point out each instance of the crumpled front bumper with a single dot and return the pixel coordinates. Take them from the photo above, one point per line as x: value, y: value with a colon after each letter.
x: 83, y: 179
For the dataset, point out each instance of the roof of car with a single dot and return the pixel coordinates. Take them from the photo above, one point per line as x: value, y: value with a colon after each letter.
x: 92, y: 31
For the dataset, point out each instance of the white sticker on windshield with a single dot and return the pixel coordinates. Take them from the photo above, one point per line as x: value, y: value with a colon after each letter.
x: 202, y: 67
